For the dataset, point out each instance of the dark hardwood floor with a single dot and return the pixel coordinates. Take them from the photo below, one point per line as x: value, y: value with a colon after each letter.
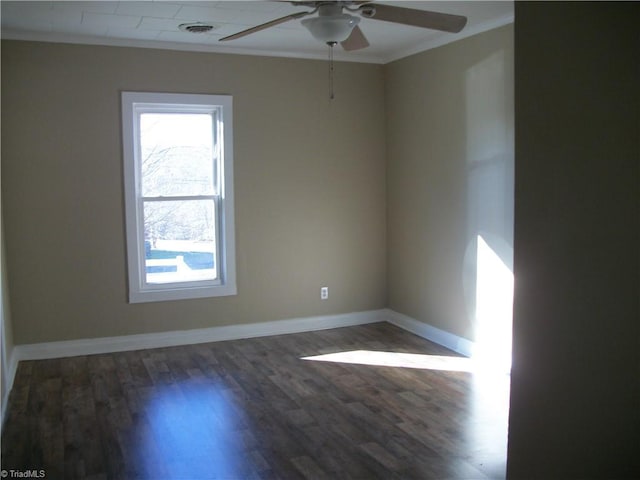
x: 256, y: 409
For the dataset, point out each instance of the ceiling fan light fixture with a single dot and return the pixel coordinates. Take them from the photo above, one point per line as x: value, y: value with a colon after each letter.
x: 331, y: 29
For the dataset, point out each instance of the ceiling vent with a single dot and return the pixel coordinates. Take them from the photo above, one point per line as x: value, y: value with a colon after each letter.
x: 196, y: 27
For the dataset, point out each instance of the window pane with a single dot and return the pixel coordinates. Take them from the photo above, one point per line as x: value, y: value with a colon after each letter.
x: 176, y: 154
x: 179, y: 241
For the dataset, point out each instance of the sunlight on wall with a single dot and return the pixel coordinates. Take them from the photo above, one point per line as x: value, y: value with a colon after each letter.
x: 490, y: 202
x: 398, y: 359
x: 494, y: 306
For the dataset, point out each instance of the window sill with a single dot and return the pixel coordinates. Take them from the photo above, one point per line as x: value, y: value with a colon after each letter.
x: 146, y: 296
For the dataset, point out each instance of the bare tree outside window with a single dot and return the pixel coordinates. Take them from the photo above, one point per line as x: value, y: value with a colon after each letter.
x: 178, y: 170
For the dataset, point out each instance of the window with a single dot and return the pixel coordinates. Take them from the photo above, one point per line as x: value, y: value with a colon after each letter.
x: 178, y: 172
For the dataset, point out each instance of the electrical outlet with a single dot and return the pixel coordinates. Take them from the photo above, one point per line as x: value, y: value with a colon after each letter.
x: 324, y: 293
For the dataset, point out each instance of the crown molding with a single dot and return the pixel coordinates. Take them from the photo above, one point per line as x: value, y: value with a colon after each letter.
x: 30, y: 36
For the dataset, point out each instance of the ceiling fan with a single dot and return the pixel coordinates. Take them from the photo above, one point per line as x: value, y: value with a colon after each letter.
x: 332, y: 25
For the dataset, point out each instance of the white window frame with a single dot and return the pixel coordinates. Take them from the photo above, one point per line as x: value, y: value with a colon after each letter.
x: 133, y: 104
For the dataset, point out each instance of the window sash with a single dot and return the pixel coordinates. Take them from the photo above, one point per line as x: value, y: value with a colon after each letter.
x: 217, y: 159
x: 145, y: 285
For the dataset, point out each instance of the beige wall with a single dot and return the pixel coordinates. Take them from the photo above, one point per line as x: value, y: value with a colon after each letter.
x: 575, y: 383
x: 450, y: 176
x: 309, y: 187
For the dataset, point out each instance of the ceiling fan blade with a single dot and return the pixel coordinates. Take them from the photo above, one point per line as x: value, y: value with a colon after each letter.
x: 355, y: 41
x: 272, y: 23
x: 417, y: 18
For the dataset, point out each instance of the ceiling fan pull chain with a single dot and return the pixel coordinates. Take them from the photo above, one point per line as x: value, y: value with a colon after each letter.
x: 331, y: 91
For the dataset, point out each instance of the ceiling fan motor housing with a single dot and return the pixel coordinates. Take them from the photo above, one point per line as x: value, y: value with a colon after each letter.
x: 330, y: 9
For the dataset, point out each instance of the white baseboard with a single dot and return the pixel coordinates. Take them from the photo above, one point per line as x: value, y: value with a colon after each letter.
x: 452, y: 342
x: 91, y: 346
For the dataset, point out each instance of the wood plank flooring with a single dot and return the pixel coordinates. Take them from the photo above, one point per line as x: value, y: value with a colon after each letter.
x: 256, y: 409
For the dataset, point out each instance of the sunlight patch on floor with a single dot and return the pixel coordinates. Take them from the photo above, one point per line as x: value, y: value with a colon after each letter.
x: 397, y: 359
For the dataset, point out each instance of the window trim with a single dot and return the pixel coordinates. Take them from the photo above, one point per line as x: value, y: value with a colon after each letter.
x: 139, y: 290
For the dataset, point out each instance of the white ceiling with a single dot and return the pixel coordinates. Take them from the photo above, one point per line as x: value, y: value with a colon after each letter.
x: 154, y: 24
